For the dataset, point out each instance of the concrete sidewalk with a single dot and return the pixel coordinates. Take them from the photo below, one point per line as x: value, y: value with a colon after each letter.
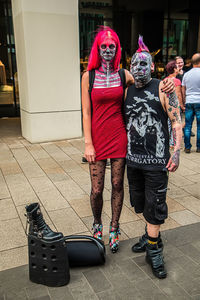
x: 52, y: 174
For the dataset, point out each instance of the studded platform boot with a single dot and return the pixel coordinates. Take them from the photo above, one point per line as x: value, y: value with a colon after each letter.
x: 48, y: 259
x: 38, y: 226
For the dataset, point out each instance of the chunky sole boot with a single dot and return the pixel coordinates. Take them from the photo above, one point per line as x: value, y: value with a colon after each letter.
x: 154, y: 257
x: 143, y: 241
x: 97, y: 231
x: 38, y: 226
x: 114, y: 238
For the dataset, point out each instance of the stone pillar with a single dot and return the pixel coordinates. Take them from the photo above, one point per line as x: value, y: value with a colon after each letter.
x: 47, y: 51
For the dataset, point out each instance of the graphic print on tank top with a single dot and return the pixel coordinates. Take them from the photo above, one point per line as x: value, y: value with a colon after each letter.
x: 147, y: 130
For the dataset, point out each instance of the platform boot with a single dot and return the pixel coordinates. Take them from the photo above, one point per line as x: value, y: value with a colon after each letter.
x: 48, y: 258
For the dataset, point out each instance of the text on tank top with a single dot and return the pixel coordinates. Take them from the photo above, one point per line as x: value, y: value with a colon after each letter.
x: 147, y: 129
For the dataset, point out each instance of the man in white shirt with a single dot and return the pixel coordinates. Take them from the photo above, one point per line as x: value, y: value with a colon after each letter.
x: 191, y: 95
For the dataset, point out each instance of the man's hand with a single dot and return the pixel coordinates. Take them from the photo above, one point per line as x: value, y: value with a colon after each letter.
x: 167, y: 85
x: 173, y: 162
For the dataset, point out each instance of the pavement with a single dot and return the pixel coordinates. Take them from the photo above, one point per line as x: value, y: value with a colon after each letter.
x: 52, y: 174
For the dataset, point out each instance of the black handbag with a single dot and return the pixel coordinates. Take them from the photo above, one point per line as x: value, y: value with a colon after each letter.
x: 84, y: 250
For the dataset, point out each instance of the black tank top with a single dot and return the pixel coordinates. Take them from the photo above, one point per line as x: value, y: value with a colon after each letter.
x: 147, y: 128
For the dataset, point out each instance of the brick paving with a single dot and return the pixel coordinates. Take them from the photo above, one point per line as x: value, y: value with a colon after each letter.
x: 51, y: 173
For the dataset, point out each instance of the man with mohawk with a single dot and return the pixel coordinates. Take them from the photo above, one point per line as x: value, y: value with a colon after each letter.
x: 147, y: 110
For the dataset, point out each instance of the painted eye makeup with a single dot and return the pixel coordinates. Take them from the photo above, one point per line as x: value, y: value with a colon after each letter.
x: 104, y: 46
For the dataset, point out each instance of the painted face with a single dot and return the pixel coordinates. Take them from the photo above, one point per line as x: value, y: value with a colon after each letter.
x: 107, y: 50
x: 141, y: 68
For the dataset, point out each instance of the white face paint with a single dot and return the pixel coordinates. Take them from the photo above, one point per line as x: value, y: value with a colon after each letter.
x: 141, y: 68
x: 107, y: 50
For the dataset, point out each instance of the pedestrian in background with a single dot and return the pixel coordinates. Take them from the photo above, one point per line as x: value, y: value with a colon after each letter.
x: 180, y: 64
x: 172, y: 72
x: 191, y: 96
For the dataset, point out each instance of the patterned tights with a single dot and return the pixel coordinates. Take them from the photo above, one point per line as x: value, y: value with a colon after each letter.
x: 97, y: 173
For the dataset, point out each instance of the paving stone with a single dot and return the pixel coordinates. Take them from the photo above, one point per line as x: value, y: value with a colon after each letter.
x: 81, y: 289
x: 37, y: 292
x: 12, y: 234
x: 182, y: 235
x: 10, y: 167
x: 126, y: 214
x: 131, y: 270
x: 184, y: 217
x: 69, y: 189
x: 4, y: 192
x: 82, y: 206
x: 19, y: 255
x: 61, y: 293
x: 17, y: 295
x: 191, y: 203
x: 7, y: 210
x: 169, y: 224
x: 149, y: 290
x: 67, y: 221
x: 171, y: 289
x: 194, y: 190
x: 133, y: 229
x: 52, y: 200
x: 174, y: 205
x: 41, y: 184
x: 191, y: 251
x: 93, y: 279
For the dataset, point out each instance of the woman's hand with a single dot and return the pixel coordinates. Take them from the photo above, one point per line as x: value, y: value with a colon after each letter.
x: 90, y: 153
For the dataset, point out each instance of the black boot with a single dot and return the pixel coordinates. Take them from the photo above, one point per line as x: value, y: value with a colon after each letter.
x: 141, y: 245
x: 37, y: 225
x: 154, y: 257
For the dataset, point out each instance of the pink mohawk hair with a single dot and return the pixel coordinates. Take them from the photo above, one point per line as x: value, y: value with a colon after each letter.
x: 142, y: 46
x: 104, y: 32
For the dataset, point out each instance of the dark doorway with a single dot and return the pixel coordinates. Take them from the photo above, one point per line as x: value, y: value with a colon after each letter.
x: 9, y: 92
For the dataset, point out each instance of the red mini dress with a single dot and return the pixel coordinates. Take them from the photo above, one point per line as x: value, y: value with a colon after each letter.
x: 108, y: 127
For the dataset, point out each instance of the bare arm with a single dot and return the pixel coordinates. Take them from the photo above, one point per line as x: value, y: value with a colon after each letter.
x: 183, y: 95
x: 171, y: 105
x: 86, y: 110
x: 179, y: 95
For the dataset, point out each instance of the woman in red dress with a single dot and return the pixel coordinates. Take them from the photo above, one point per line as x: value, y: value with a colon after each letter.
x: 104, y: 128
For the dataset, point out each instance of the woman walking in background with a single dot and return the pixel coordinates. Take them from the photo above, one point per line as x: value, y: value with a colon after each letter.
x: 173, y: 71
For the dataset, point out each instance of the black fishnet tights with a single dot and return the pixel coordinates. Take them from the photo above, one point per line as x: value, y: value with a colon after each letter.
x: 97, y: 173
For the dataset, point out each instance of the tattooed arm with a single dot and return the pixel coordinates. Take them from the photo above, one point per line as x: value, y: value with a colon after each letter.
x: 172, y: 108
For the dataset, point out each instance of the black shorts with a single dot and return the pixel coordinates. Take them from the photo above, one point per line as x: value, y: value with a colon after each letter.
x: 148, y: 191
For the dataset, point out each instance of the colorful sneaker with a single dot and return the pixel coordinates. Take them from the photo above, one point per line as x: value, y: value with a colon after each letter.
x: 97, y: 231
x: 114, y: 238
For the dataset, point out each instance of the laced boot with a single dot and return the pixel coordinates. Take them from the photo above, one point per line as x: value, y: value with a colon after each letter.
x: 97, y: 231
x: 114, y: 238
x: 141, y: 245
x: 154, y: 257
x: 37, y: 225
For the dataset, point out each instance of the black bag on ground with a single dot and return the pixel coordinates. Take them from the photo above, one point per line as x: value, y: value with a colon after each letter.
x: 84, y: 250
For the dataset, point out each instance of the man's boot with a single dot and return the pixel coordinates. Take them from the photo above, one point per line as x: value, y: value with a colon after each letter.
x: 154, y: 257
x: 141, y: 245
x: 37, y: 225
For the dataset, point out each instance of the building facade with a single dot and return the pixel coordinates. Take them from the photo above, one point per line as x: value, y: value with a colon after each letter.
x: 44, y: 47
